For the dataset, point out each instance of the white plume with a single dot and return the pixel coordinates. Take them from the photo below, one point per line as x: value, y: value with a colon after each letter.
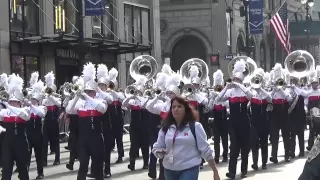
x: 34, y: 78
x: 218, y: 78
x: 313, y: 74
x: 166, y: 69
x: 49, y: 79
x: 15, y: 84
x: 4, y: 80
x: 277, y: 72
x: 37, y: 87
x: 174, y: 79
x: 80, y: 81
x: 102, y: 71
x: 318, y: 70
x: 193, y: 71
x: 74, y: 78
x: 239, y: 66
x: 266, y: 77
x: 161, y: 80
x: 89, y: 72
x: 113, y: 74
x: 207, y: 82
x: 141, y: 80
x: 259, y: 71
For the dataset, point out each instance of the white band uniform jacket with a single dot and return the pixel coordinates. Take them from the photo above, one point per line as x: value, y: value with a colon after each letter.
x: 186, y: 151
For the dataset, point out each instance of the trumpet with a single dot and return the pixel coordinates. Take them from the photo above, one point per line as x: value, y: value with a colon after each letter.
x: 49, y: 91
x: 4, y: 96
x: 280, y: 83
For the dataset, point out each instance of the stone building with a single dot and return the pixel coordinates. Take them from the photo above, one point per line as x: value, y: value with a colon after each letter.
x: 198, y: 28
x: 52, y: 35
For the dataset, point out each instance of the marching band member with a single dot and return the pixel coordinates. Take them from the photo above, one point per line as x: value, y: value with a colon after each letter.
x: 15, y: 144
x: 238, y: 97
x: 160, y: 106
x: 279, y: 119
x: 102, y: 77
x: 313, y: 100
x: 34, y: 126
x: 259, y: 119
x: 4, y: 88
x: 73, y: 124
x: 197, y: 99
x: 220, y: 123
x: 139, y: 135
x: 90, y: 112
x: 116, y: 114
x: 297, y: 116
x: 51, y: 123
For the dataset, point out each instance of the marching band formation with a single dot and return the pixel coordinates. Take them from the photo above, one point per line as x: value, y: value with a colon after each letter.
x: 251, y: 108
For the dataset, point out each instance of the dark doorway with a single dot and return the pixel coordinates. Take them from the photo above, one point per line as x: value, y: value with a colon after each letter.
x: 65, y: 71
x: 187, y: 47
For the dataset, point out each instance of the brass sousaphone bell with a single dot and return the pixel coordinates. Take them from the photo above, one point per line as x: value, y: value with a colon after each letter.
x: 189, y: 89
x: 251, y: 66
x: 299, y: 63
x: 143, y: 65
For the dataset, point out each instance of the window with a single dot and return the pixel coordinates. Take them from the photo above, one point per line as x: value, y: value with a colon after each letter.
x: 24, y: 17
x: 102, y: 26
x: 24, y: 66
x: 263, y: 58
x: 137, y: 24
x: 66, y: 16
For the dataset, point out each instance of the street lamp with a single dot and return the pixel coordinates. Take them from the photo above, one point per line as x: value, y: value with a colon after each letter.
x: 308, y: 4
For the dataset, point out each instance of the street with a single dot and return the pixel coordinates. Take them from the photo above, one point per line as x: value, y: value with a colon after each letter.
x: 280, y: 171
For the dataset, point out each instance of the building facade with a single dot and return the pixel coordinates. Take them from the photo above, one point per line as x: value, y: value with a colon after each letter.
x: 198, y: 28
x: 55, y: 35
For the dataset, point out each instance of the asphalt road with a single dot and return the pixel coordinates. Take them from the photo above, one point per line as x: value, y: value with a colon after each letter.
x: 280, y: 171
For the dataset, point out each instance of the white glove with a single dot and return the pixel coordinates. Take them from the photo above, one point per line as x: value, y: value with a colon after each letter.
x: 2, y: 129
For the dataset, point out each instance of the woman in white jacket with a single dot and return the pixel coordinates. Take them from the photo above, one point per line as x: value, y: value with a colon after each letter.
x: 182, y: 142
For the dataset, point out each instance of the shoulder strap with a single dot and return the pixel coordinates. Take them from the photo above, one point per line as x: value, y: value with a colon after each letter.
x: 192, y: 126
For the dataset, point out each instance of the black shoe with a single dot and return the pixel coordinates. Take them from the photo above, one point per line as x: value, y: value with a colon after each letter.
x: 309, y: 148
x: 254, y: 167
x: 67, y: 148
x: 243, y: 175
x: 287, y: 159
x: 152, y: 175
x: 145, y: 167
x: 131, y: 167
x: 56, y: 163
x: 274, y: 160
x: 107, y: 175
x: 292, y: 155
x: 40, y: 176
x: 69, y: 166
x: 225, y: 160
x: 216, y: 160
x: 90, y: 176
x: 119, y: 160
x: 264, y: 166
x: 230, y: 176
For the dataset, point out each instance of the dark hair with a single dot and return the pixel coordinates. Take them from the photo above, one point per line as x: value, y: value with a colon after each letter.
x: 188, y: 117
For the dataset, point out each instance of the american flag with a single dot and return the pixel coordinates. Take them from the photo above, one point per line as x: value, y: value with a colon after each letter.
x: 280, y: 25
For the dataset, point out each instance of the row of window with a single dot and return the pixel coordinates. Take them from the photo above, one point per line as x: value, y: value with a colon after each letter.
x: 24, y: 20
x: 24, y: 66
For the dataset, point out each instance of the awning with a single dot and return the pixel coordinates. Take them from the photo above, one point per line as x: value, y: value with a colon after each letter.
x: 105, y: 44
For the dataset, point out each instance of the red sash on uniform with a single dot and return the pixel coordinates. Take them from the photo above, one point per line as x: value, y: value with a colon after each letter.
x: 258, y: 101
x: 13, y: 119
x: 89, y: 113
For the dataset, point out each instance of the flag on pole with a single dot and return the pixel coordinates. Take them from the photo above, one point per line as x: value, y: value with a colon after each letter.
x: 280, y: 25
